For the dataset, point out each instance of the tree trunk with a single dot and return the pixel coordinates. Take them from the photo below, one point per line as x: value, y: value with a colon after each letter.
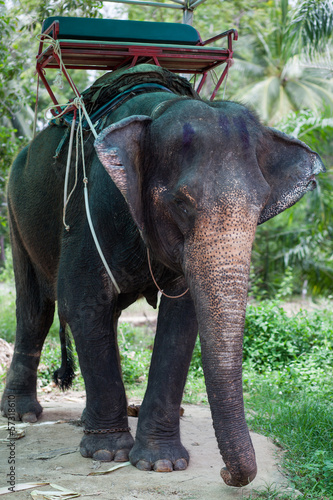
x: 2, y: 250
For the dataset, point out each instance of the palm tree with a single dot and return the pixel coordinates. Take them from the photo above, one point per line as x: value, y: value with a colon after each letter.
x: 283, y: 53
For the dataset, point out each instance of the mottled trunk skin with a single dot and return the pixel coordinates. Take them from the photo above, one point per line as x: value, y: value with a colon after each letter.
x: 217, y: 269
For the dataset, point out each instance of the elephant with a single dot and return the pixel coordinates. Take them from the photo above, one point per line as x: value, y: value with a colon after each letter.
x: 177, y: 186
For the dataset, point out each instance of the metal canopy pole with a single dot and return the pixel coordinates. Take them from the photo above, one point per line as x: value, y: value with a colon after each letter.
x: 150, y: 4
x: 187, y: 6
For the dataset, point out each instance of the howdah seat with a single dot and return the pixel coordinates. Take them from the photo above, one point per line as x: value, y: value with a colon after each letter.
x: 109, y: 44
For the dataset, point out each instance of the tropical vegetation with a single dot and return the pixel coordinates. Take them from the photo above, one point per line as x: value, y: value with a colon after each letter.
x: 284, y: 71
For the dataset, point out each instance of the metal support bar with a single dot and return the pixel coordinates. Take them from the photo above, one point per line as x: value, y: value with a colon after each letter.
x: 195, y: 3
x: 188, y: 16
x: 202, y: 81
x: 175, y: 1
x: 150, y: 4
x: 219, y: 83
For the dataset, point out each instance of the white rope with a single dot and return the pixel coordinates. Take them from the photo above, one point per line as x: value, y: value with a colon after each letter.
x: 86, y: 202
x: 69, y: 157
x: 78, y: 101
x: 79, y: 104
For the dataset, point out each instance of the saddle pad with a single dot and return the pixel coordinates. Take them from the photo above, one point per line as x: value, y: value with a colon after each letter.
x: 77, y: 28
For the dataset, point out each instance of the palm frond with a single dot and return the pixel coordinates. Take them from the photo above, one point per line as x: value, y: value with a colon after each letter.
x: 248, y: 68
x: 303, y: 95
x: 313, y: 22
x: 324, y: 91
x: 261, y: 96
x: 282, y: 106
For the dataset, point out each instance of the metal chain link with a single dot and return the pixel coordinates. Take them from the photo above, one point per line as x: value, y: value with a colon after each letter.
x: 106, y: 431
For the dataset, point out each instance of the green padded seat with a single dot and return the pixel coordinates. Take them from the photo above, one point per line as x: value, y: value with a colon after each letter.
x: 115, y: 30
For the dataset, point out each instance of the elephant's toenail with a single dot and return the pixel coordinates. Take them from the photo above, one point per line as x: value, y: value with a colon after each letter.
x: 29, y: 417
x: 121, y: 456
x: 180, y: 464
x: 143, y: 465
x: 163, y: 466
x: 103, y: 455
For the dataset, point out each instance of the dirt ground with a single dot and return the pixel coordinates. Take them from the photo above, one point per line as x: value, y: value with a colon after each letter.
x: 49, y: 453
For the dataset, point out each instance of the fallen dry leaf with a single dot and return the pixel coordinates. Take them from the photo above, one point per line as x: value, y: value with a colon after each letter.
x: 22, y: 487
x: 115, y: 467
x: 62, y: 494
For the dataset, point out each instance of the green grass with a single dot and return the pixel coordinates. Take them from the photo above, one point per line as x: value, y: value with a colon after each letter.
x: 7, y: 314
x: 299, y: 421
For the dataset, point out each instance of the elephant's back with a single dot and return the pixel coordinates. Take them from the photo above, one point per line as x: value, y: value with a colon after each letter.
x: 35, y: 193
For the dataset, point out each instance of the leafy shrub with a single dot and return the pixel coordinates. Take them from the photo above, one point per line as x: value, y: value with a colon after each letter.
x: 7, y: 272
x: 134, y: 363
x: 196, y: 363
x: 135, y: 353
x: 273, y: 340
x: 7, y: 316
x: 51, y: 360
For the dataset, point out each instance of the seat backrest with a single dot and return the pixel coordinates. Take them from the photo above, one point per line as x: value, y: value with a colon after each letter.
x: 114, y: 30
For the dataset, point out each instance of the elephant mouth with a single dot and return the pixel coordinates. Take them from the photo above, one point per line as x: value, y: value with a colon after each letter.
x: 311, y: 183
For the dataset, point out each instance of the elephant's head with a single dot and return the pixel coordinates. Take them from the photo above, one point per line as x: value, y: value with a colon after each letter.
x: 198, y: 179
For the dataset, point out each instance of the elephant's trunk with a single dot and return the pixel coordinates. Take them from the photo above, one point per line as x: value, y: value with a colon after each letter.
x: 217, y: 269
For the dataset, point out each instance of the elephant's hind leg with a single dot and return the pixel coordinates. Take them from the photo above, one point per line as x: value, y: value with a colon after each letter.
x: 86, y: 302
x: 34, y: 313
x: 157, y: 443
x: 116, y: 442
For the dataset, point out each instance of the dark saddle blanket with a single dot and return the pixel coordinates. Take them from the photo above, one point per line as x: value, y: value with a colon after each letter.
x: 114, y: 88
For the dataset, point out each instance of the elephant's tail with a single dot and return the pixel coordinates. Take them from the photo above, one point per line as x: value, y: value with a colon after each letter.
x: 64, y: 376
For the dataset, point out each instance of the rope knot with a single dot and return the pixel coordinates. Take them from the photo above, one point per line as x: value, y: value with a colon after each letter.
x: 78, y: 102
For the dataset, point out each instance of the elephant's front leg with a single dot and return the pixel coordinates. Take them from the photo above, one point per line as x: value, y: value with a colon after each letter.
x: 92, y: 321
x: 157, y: 444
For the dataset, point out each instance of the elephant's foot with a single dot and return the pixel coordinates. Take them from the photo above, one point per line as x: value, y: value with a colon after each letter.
x: 107, y: 447
x: 159, y: 456
x: 20, y: 407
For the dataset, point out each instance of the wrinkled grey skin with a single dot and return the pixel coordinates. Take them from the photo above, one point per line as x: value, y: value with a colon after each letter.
x: 190, y: 180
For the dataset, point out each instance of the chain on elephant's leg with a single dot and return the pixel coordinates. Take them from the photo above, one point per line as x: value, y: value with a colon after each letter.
x: 157, y: 444
x: 91, y: 318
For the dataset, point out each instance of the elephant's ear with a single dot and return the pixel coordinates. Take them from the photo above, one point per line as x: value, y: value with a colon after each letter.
x: 119, y: 149
x: 289, y: 167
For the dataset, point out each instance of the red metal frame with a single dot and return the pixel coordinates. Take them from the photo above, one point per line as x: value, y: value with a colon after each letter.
x: 110, y: 56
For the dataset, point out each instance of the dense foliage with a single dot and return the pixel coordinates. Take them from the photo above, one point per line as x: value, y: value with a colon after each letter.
x: 273, y: 340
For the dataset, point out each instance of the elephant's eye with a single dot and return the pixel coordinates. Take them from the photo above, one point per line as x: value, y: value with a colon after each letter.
x: 181, y: 205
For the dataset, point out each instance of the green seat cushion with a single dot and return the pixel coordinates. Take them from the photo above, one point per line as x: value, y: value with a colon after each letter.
x: 123, y: 31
